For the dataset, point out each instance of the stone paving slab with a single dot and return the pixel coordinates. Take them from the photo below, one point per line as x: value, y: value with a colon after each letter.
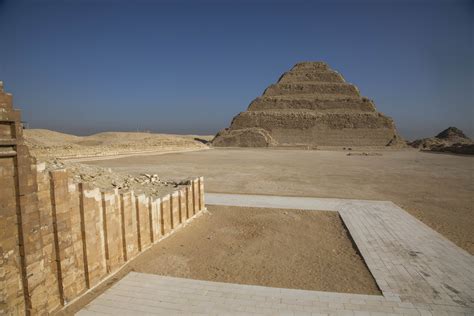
x: 418, y: 270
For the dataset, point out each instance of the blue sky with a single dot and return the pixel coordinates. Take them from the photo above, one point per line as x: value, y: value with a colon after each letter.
x: 190, y: 66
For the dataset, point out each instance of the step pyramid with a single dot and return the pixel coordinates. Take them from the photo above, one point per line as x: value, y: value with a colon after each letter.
x: 310, y: 105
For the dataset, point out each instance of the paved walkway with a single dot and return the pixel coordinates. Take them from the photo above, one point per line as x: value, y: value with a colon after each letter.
x: 418, y: 271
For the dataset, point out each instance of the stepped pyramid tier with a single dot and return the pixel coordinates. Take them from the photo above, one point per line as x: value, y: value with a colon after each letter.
x: 310, y: 105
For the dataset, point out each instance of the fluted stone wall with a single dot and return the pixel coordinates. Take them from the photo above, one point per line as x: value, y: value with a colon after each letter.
x: 17, y: 199
x: 59, y: 238
x: 95, y: 233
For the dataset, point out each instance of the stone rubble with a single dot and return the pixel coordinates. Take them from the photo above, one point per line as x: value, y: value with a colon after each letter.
x: 106, y: 179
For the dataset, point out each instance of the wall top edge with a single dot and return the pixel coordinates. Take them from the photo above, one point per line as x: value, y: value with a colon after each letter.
x: 91, y: 191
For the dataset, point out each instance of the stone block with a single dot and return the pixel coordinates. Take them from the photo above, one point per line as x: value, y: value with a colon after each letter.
x: 93, y: 235
x: 174, y: 206
x: 112, y: 230
x: 129, y: 214
x: 155, y: 220
x: 202, y: 205
x: 143, y: 218
x: 183, y: 206
x: 166, y: 214
x: 195, y: 185
x: 189, y: 201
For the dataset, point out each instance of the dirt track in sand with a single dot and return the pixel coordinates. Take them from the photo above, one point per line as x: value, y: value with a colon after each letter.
x: 438, y: 189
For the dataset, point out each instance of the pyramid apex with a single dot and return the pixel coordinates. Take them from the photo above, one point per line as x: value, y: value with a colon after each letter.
x: 310, y: 65
x: 317, y: 62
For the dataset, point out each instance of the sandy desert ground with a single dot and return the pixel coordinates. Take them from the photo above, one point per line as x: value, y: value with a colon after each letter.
x: 270, y: 247
x: 436, y: 188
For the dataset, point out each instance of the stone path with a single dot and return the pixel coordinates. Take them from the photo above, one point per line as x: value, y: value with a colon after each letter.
x: 418, y: 271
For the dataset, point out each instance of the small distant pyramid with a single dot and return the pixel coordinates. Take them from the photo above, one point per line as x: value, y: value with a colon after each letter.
x: 452, y: 133
x: 310, y: 105
x: 451, y: 139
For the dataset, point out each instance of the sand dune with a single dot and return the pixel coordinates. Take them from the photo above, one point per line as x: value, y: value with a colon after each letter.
x: 44, y: 143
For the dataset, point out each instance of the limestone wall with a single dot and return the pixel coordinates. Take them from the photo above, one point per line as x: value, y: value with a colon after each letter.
x: 13, y: 192
x: 59, y: 238
x: 95, y: 233
x: 81, y: 236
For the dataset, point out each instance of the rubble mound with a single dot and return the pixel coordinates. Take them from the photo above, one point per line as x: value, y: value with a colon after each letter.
x: 310, y: 105
x: 463, y: 149
x: 105, y: 179
x: 245, y: 137
x: 451, y: 140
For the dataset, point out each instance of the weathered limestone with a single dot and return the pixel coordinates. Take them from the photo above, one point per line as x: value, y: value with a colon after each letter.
x: 23, y: 267
x: 311, y: 105
x: 59, y: 238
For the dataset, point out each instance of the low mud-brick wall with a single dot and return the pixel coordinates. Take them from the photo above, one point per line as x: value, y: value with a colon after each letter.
x: 58, y: 239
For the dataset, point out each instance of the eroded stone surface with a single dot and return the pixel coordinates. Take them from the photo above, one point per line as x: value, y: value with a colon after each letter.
x: 311, y: 105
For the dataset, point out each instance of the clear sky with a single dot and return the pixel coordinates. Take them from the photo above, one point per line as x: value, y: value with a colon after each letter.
x: 83, y: 66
